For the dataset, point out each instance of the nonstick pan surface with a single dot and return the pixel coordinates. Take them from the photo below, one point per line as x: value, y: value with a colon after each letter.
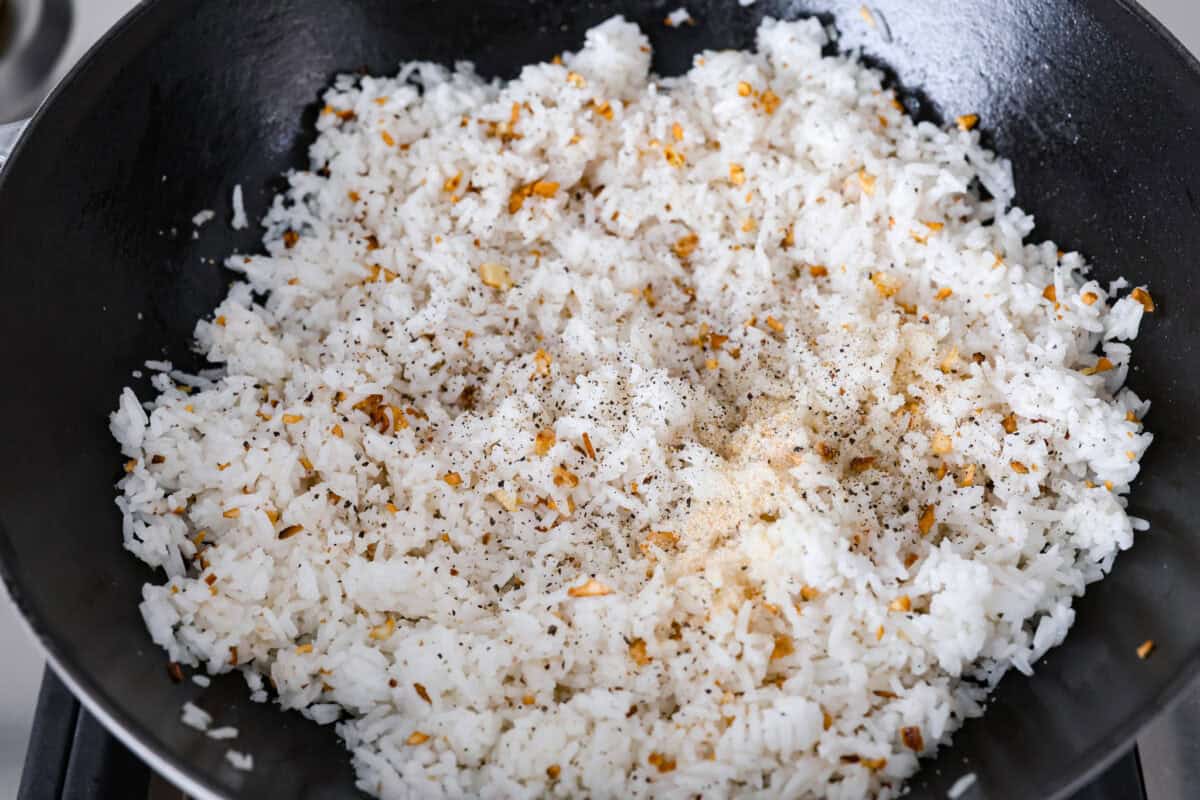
x: 1098, y: 108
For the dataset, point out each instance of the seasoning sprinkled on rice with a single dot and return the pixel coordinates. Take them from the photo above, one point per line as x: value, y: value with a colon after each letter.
x: 664, y: 424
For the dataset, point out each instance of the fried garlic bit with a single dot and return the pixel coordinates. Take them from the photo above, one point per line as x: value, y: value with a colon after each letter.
x: 591, y: 588
x: 941, y: 444
x: 927, y: 520
x: 768, y: 102
x: 543, y: 441
x: 784, y: 647
x: 866, y: 182
x: 885, y: 284
x: 685, y: 245
x: 507, y: 501
x: 968, y: 476
x: 966, y: 122
x: 1143, y: 297
x: 912, y: 738
x: 541, y: 363
x: 861, y: 464
x: 564, y: 477
x: 664, y: 540
x: 1102, y: 365
x: 290, y: 531
x: 545, y: 189
x: 380, y: 632
x: 662, y: 762
x: 950, y: 361
x: 495, y: 276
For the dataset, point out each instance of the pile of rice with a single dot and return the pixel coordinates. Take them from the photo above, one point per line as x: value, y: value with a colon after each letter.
x: 609, y: 435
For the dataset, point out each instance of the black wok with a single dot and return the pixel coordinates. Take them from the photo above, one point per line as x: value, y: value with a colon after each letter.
x: 1097, y: 106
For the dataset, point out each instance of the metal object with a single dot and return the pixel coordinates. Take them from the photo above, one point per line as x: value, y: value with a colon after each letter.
x: 33, y: 34
x: 1170, y: 749
x: 72, y: 755
x: 9, y: 134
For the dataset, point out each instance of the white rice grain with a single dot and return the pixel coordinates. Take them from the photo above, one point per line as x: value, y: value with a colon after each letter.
x: 196, y: 717
x: 961, y: 786
x: 679, y: 16
x: 239, y: 210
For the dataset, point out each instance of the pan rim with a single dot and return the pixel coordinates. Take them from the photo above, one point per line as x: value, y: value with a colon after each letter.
x: 198, y: 783
x: 113, y: 716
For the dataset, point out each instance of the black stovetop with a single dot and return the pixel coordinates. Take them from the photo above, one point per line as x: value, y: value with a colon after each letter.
x: 72, y: 757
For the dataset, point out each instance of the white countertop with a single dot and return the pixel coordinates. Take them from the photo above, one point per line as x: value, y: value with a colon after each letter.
x: 22, y: 669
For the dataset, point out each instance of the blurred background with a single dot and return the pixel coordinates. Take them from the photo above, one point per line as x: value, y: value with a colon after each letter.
x: 39, y: 41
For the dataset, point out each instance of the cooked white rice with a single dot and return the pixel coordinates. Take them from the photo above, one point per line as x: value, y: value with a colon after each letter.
x: 195, y: 717
x: 679, y: 16
x: 242, y: 761
x: 619, y: 436
x: 960, y: 786
x: 239, y: 220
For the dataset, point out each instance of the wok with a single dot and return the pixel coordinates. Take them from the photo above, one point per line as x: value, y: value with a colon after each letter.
x: 1096, y: 105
